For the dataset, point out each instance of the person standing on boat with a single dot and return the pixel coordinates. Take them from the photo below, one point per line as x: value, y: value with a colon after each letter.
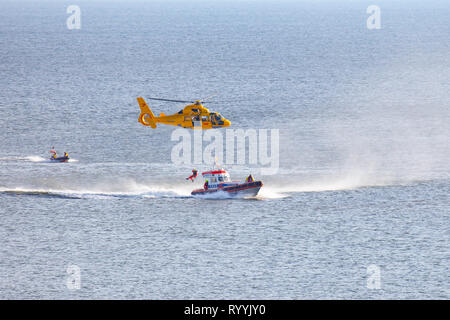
x: 205, y: 186
x: 53, y: 152
x: 249, y: 178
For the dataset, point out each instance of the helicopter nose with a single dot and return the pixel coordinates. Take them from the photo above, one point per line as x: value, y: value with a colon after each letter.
x: 227, y: 123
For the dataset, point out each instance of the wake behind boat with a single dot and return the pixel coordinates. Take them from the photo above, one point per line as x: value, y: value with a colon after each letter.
x: 219, y: 181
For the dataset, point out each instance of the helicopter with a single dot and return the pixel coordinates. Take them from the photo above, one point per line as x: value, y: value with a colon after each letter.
x: 194, y: 116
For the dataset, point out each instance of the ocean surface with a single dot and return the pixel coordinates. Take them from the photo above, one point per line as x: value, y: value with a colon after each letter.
x: 363, y: 182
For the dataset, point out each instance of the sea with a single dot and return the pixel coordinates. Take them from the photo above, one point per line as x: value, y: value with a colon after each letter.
x: 357, y: 92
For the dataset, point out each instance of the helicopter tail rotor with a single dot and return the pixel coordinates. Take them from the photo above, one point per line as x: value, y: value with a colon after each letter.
x: 147, y: 118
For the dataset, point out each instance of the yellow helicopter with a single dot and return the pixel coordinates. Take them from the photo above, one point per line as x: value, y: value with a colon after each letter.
x: 194, y: 116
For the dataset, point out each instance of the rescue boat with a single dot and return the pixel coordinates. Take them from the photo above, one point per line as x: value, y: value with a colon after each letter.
x: 219, y: 181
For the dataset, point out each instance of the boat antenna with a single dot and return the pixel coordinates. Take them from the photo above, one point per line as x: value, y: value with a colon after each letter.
x: 216, y: 162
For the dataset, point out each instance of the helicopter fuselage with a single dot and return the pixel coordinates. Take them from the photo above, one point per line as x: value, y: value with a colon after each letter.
x: 194, y: 116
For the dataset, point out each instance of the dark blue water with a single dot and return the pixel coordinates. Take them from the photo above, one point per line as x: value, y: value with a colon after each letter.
x: 363, y: 117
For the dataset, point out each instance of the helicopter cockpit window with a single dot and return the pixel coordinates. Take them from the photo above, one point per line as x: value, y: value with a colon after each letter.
x: 181, y: 111
x: 217, y: 117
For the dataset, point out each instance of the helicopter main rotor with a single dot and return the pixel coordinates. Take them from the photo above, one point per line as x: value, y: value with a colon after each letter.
x: 183, y: 101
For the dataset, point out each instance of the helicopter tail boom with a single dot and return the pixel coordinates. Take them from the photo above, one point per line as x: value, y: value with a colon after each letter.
x: 147, y: 118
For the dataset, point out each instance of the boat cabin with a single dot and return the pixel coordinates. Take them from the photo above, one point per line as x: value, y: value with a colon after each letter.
x: 217, y: 178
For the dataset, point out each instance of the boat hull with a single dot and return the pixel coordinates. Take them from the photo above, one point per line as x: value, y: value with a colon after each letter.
x: 60, y: 159
x: 248, y: 189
